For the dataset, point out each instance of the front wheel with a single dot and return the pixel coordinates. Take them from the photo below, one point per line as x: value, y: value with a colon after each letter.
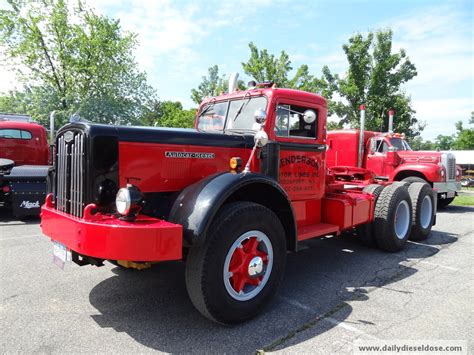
x: 236, y: 272
x: 444, y: 202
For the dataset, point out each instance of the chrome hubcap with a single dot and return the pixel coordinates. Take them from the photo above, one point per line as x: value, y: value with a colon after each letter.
x: 426, y: 212
x: 255, y: 267
x: 402, y: 219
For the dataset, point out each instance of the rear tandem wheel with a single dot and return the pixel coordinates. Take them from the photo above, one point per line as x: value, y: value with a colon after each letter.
x: 365, y: 232
x: 393, y: 218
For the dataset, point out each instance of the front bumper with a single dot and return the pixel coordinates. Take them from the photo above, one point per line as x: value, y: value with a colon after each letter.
x: 107, y: 237
x: 448, y: 188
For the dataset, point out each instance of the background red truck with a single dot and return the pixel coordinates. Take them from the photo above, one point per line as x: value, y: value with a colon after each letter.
x: 24, y: 155
x: 230, y: 198
x: 391, y: 159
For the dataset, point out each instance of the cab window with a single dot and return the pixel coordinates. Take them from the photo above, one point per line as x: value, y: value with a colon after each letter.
x: 15, y: 134
x: 292, y: 121
x: 380, y: 146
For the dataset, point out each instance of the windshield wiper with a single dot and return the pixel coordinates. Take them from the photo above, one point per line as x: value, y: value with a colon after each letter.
x: 206, y: 110
x: 244, y: 103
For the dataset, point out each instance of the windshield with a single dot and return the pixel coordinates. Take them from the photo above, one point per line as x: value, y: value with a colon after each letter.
x: 235, y: 115
x: 399, y: 143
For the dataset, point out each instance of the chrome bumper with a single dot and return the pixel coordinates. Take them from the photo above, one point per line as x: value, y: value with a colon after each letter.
x: 448, y: 188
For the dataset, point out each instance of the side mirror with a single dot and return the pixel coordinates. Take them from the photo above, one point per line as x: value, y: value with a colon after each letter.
x: 260, y: 115
x: 261, y: 139
x: 309, y: 116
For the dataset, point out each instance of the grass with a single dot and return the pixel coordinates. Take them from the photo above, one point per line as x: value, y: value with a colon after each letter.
x: 463, y: 201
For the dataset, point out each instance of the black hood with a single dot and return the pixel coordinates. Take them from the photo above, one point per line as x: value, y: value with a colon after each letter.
x: 162, y: 135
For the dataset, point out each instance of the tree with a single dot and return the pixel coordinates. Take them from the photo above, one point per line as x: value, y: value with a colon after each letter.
x: 169, y: 114
x: 73, y: 60
x: 464, y: 137
x: 263, y: 66
x: 212, y: 85
x: 417, y: 143
x: 13, y: 102
x: 374, y: 78
x: 443, y: 142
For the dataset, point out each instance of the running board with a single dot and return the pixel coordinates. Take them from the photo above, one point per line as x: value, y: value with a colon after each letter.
x: 316, y: 230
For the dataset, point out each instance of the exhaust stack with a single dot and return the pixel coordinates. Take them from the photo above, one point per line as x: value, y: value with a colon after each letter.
x: 51, y: 126
x: 361, y: 136
x: 391, y: 113
x: 233, y: 82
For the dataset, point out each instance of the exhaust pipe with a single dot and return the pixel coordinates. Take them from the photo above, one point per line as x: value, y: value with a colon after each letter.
x: 361, y: 136
x: 51, y: 126
x: 232, y: 82
x: 391, y: 113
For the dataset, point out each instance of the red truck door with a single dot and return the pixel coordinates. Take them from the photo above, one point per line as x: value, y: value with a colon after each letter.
x: 377, y: 155
x: 302, y: 152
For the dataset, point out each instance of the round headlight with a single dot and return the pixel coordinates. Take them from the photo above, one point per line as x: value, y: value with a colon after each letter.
x: 129, y: 202
x: 123, y: 201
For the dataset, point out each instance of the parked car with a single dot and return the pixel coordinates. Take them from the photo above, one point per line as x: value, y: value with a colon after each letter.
x: 467, y: 182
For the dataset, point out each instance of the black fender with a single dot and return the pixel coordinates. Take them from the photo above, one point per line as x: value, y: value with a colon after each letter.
x: 198, y: 203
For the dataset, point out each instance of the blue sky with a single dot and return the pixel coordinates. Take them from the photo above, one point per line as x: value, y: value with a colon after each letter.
x: 179, y: 40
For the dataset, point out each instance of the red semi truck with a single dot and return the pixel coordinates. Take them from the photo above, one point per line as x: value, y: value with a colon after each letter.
x: 24, y: 154
x: 230, y: 197
x: 390, y: 157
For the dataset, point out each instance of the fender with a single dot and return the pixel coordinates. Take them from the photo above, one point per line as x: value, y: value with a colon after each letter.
x: 429, y: 171
x: 197, y: 204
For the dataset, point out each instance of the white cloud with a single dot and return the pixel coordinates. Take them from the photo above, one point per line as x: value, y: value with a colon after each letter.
x: 438, y: 41
x: 442, y: 114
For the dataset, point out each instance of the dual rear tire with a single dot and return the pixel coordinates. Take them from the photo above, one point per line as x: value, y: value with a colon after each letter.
x: 402, y: 211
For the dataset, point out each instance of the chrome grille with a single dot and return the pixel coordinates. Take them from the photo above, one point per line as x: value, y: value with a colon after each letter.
x: 451, y: 167
x: 70, y: 175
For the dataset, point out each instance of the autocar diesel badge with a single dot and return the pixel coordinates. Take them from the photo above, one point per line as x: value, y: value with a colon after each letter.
x: 195, y: 155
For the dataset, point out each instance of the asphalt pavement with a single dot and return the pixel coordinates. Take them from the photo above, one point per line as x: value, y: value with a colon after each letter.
x: 334, y: 292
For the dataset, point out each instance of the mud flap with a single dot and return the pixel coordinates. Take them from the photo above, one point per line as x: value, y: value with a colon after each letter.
x: 27, y: 190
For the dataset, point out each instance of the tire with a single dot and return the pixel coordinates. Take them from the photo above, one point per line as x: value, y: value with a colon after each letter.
x: 423, y: 211
x: 241, y: 230
x: 365, y: 232
x: 444, y: 202
x: 393, y: 216
x: 401, y: 183
x: 412, y: 179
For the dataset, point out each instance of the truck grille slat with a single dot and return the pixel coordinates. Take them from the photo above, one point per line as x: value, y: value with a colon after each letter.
x: 451, y: 168
x: 70, y: 175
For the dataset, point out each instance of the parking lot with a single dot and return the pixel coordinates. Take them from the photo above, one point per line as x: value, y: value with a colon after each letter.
x: 334, y: 292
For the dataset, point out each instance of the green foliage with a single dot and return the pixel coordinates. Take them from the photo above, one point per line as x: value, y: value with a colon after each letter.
x: 465, y: 136
x: 374, y: 78
x: 212, y: 85
x: 462, y: 140
x: 417, y: 143
x: 263, y: 66
x: 443, y: 142
x: 75, y: 60
x: 463, y: 200
x: 331, y: 125
x: 13, y: 102
x: 169, y: 114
